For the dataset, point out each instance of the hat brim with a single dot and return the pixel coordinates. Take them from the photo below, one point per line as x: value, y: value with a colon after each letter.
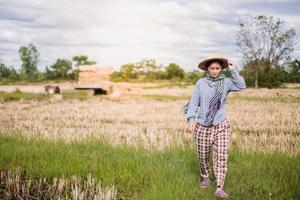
x: 203, y: 65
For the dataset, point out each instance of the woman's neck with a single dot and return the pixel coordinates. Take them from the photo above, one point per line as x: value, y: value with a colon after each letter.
x: 213, y: 77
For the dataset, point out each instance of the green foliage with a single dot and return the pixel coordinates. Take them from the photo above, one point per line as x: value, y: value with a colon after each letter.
x: 268, y: 76
x: 30, y: 57
x: 62, y: 68
x: 140, y: 71
x: 82, y: 60
x: 75, y: 73
x: 148, y: 70
x: 162, y: 75
x: 293, y: 75
x: 129, y: 71
x: 193, y: 76
x: 174, y: 71
x: 59, y: 70
x: 147, y: 66
x: 8, y: 73
x: 116, y: 77
x: 271, y: 78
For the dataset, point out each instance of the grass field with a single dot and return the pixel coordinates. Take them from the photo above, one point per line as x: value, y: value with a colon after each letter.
x: 136, y: 146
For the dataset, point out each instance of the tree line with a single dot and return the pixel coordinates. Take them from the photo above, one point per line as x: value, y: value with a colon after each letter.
x: 149, y: 70
x: 62, y: 69
x: 264, y: 41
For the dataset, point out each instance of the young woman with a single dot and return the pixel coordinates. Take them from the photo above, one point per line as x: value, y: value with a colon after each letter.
x: 209, y: 123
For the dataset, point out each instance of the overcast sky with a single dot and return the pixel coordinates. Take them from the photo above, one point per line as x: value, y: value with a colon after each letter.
x: 115, y: 32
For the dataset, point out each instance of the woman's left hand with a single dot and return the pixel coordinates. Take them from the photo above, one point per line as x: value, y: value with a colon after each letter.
x: 230, y: 64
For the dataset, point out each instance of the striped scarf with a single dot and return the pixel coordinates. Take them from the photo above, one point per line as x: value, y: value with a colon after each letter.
x: 215, y: 101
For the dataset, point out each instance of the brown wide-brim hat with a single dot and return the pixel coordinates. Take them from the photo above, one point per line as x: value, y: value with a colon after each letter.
x: 214, y: 57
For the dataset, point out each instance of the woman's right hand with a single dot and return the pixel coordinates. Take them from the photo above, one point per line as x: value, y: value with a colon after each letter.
x: 191, y: 127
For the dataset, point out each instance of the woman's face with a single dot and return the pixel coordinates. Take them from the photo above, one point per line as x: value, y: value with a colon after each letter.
x: 214, y: 69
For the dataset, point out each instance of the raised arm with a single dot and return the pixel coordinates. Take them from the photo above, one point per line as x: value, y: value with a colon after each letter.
x: 193, y: 106
x: 237, y: 82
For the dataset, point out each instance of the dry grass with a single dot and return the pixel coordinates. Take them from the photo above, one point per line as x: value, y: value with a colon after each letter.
x: 265, y: 127
x: 146, y: 123
x: 138, y: 121
x: 250, y: 92
x: 15, y: 185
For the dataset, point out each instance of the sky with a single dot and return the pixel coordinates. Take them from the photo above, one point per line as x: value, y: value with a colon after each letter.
x: 116, y: 32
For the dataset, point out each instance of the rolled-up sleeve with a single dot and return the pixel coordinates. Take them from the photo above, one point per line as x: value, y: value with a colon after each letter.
x: 193, y: 105
x: 237, y: 82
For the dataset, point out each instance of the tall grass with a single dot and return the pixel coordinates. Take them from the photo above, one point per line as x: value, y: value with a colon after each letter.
x: 140, y: 174
x: 17, y: 96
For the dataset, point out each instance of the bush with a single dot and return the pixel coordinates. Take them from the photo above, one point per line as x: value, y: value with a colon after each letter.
x: 193, y: 77
x: 268, y: 76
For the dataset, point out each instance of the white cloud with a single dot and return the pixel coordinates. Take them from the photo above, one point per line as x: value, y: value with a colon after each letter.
x: 118, y: 32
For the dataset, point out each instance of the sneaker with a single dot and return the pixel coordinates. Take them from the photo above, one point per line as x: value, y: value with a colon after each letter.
x: 221, y: 193
x: 205, y: 183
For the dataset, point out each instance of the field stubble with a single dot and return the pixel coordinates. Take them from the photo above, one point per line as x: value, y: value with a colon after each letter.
x: 261, y: 126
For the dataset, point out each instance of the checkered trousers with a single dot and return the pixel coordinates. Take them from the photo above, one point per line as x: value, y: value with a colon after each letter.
x: 217, y: 139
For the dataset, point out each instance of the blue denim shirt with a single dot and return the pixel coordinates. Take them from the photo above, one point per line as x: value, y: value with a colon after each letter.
x: 204, y: 91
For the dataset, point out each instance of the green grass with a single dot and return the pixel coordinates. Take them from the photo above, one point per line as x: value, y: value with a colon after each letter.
x: 38, y: 81
x: 75, y: 94
x: 17, y: 96
x: 140, y: 174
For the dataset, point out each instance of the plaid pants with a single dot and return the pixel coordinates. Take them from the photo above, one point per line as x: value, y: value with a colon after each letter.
x: 217, y: 138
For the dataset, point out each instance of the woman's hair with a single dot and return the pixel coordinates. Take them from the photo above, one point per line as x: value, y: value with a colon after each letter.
x: 211, y: 61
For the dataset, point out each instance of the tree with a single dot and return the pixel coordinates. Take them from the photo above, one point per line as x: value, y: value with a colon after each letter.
x: 82, y: 60
x: 129, y: 71
x: 4, y: 71
x: 30, y: 57
x: 294, y: 71
x: 174, y: 71
x: 263, y: 38
x: 147, y: 66
x: 269, y: 77
x: 60, y: 69
x: 194, y: 76
x: 8, y: 72
x: 147, y: 69
x: 143, y: 70
x: 50, y: 74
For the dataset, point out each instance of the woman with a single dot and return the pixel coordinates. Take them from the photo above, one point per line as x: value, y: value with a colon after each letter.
x: 209, y: 124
